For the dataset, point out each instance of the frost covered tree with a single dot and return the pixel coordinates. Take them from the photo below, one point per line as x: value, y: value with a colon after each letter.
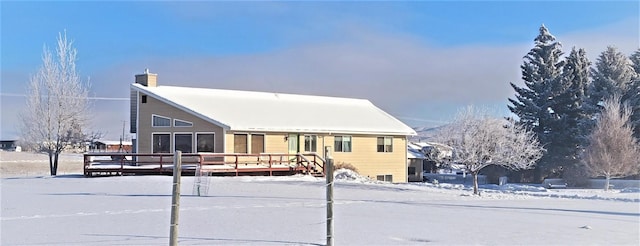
x: 56, y: 113
x: 535, y: 103
x: 569, y: 118
x: 634, y: 95
x: 635, y: 60
x: 479, y: 140
x: 613, y: 74
x: 612, y: 151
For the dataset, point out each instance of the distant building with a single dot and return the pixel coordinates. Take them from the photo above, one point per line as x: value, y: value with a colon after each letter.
x: 192, y: 120
x: 9, y: 145
x: 111, y: 146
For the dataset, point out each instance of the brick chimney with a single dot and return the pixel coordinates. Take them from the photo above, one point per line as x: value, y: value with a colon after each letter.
x: 147, y: 79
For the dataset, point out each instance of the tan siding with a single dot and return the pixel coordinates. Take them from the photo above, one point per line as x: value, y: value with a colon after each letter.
x: 157, y: 107
x: 369, y: 162
x: 275, y: 143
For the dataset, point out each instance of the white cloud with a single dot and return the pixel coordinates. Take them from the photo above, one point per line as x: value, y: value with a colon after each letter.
x: 402, y: 74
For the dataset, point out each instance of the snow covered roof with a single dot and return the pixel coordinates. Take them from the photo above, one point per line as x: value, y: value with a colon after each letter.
x: 275, y: 112
x: 414, y: 154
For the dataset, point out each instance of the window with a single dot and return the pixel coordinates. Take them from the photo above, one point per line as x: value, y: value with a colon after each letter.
x: 181, y: 123
x: 385, y: 178
x: 161, y: 121
x: 257, y: 143
x: 385, y: 144
x: 184, y: 142
x: 239, y: 143
x: 143, y: 99
x: 161, y: 143
x: 412, y: 171
x: 310, y: 143
x: 204, y: 142
x: 342, y: 144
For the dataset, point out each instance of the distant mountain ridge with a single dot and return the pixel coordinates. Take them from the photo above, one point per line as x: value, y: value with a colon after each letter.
x: 425, y: 133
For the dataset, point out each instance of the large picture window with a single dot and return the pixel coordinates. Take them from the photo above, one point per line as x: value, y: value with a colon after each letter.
x: 161, y: 121
x: 205, y: 142
x: 184, y: 142
x: 257, y: 143
x: 310, y: 143
x: 161, y: 143
x: 240, y: 143
x: 342, y: 143
x: 385, y: 144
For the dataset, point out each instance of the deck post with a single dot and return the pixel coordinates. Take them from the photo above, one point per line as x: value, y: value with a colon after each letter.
x: 329, y: 174
x: 175, y: 198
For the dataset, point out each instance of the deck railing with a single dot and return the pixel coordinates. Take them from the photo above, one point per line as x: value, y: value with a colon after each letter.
x: 118, y: 163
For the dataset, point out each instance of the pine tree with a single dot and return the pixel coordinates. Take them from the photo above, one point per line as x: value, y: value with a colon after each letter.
x: 634, y: 101
x: 535, y: 102
x: 568, y: 105
x: 570, y: 131
x: 635, y: 59
x: 614, y: 74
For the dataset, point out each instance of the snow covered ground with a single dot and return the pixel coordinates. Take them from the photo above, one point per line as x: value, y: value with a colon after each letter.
x: 72, y: 210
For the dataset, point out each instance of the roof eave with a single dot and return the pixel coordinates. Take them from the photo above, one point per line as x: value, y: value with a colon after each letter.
x: 141, y: 88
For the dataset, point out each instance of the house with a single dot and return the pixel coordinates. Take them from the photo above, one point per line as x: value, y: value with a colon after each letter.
x: 10, y: 145
x: 197, y: 120
x: 416, y: 162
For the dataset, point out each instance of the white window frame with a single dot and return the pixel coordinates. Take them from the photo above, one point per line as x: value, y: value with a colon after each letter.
x: 158, y: 133
x: 190, y: 124
x: 385, y: 178
x: 182, y: 133
x: 342, y: 143
x: 203, y: 133
x: 305, y: 143
x: 159, y: 116
x: 384, y: 146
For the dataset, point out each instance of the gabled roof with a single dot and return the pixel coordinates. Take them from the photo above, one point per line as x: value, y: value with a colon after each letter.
x: 275, y: 112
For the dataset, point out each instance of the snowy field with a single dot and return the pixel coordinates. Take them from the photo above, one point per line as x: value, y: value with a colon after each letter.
x: 72, y: 210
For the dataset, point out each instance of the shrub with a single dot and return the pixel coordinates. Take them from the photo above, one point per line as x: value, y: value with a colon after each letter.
x: 341, y: 165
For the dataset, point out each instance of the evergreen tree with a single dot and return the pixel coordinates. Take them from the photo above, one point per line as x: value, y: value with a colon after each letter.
x: 569, y: 130
x: 535, y: 102
x: 634, y: 101
x: 635, y: 60
x: 614, y: 74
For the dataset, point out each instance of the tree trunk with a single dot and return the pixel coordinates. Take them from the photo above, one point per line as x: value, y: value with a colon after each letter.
x: 54, y: 172
x: 475, y: 183
x: 51, y: 170
x: 606, y: 182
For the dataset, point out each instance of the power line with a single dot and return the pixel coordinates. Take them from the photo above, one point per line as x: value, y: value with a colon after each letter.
x: 90, y: 98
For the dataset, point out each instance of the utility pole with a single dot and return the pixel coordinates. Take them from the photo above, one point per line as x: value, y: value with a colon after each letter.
x: 328, y: 170
x: 175, y: 198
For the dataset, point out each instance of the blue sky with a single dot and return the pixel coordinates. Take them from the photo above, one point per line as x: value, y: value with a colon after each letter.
x: 419, y: 61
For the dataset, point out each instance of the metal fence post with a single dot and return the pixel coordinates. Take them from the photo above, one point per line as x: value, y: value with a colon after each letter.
x: 175, y: 198
x: 329, y: 175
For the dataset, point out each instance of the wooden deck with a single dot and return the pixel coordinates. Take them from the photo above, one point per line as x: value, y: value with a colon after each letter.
x: 111, y: 164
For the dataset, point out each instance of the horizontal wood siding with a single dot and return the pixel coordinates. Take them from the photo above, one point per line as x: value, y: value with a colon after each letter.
x: 157, y: 107
x: 364, y: 155
x: 370, y: 162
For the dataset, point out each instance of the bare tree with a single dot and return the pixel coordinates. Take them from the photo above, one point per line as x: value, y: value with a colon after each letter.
x: 613, y: 152
x: 479, y: 140
x: 57, y: 105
